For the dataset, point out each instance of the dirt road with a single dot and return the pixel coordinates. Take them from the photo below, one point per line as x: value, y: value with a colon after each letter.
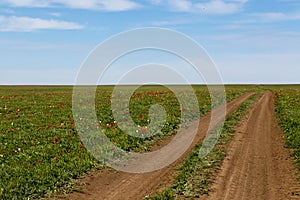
x: 109, y: 184
x: 258, y: 166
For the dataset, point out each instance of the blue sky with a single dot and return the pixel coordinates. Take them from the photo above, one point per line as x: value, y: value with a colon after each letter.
x: 251, y: 41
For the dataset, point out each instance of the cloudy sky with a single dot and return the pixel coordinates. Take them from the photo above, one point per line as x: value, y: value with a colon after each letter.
x: 250, y: 41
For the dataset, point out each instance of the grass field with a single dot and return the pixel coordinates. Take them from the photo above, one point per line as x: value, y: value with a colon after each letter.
x: 288, y: 113
x: 40, y: 149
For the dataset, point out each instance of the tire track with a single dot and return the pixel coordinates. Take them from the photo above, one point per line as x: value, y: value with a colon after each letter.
x: 257, y: 166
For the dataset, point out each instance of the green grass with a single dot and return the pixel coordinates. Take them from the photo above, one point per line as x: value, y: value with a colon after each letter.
x: 288, y: 113
x: 40, y: 149
x: 277, y: 87
x: 194, y: 175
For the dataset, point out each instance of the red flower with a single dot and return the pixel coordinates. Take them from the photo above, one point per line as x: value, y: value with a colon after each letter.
x: 79, y: 154
x: 38, y: 161
x: 144, y: 129
x: 69, y: 151
x: 32, y: 144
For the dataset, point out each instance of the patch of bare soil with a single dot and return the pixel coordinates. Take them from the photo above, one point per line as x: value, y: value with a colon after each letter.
x: 257, y: 166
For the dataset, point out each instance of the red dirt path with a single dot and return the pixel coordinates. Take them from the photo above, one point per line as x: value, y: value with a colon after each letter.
x: 258, y: 166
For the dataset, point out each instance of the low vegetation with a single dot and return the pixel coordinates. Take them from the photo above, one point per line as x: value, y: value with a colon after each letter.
x: 288, y: 112
x: 40, y: 149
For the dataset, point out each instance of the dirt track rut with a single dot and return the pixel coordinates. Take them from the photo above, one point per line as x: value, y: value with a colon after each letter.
x: 109, y: 184
x: 258, y: 167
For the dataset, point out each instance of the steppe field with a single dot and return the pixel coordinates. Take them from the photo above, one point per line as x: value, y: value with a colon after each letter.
x: 257, y: 155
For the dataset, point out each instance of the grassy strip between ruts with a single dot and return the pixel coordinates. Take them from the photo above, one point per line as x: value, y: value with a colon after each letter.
x: 195, y: 174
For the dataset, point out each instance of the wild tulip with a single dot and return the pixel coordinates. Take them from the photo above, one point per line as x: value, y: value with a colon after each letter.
x: 144, y: 129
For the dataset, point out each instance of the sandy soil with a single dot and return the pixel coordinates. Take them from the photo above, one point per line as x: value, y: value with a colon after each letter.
x: 257, y: 166
x: 111, y: 184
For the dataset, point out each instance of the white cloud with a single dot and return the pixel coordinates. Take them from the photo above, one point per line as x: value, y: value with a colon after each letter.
x: 118, y: 5
x: 181, y: 5
x: 220, y: 7
x: 107, y: 5
x: 27, y: 24
x: 276, y: 16
x: 25, y: 3
x: 208, y: 7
